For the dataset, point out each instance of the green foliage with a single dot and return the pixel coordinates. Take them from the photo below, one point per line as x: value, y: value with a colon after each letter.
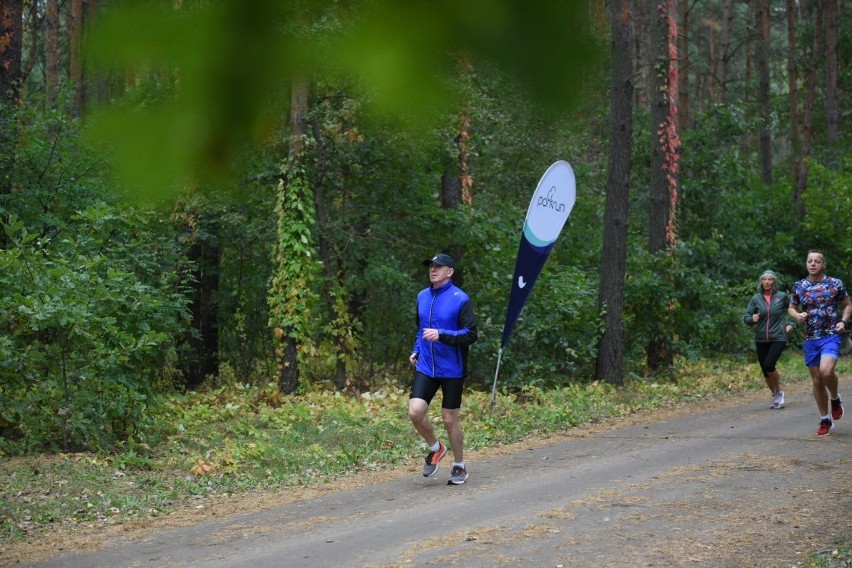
x: 667, y: 296
x: 828, y: 202
x: 291, y: 292
x: 224, y: 94
x: 83, y: 336
x: 90, y: 304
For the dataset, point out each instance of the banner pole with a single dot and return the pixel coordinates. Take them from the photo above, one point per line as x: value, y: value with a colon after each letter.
x: 494, y: 386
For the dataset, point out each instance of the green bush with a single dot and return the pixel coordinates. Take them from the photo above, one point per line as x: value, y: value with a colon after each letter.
x: 82, y: 333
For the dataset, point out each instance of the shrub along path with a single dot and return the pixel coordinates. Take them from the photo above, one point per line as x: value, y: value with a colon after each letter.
x: 715, y: 483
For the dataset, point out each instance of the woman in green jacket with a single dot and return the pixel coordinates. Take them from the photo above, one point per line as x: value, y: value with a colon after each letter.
x: 767, y: 312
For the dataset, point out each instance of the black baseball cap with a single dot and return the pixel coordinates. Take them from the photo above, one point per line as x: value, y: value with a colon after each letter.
x: 440, y: 259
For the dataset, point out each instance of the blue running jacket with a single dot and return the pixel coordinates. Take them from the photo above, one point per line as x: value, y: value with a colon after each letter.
x: 449, y: 310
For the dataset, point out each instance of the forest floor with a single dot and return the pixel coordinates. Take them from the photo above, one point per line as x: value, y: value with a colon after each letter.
x: 710, y: 483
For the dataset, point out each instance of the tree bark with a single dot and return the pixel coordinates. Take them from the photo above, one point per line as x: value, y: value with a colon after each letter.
x: 665, y: 144
x: 456, y: 181
x: 288, y: 365
x: 793, y: 89
x: 683, y: 64
x: 664, y: 129
x: 75, y: 56
x: 11, y: 47
x: 727, y: 26
x: 51, y: 53
x: 205, y: 253
x: 832, y: 113
x: 763, y: 100
x: 808, y: 113
x: 609, y: 364
x: 642, y: 65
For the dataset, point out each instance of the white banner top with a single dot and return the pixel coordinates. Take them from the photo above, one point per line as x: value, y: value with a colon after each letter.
x: 551, y: 204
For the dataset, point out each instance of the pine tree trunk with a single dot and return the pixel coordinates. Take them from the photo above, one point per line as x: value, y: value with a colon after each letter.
x: 609, y: 364
x: 288, y: 364
x: 75, y: 56
x: 11, y: 46
x: 204, y: 345
x: 51, y: 53
x: 808, y: 114
x: 832, y: 113
x: 727, y: 26
x: 683, y: 52
x: 764, y: 103
x: 665, y: 144
x: 641, y: 50
x: 793, y: 89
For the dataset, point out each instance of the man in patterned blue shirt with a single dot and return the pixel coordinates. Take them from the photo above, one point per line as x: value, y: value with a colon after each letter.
x: 821, y: 298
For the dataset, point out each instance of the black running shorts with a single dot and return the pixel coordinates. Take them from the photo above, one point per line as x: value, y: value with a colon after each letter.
x: 425, y: 387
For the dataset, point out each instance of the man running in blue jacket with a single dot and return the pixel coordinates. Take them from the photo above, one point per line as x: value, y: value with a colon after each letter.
x: 446, y: 328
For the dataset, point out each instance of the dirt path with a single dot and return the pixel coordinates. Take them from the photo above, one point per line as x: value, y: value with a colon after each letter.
x: 727, y: 483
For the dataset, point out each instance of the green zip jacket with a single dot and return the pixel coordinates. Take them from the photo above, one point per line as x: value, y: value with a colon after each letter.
x: 773, y: 320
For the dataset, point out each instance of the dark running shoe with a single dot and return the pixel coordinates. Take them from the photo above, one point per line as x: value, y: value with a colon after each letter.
x: 825, y: 427
x: 458, y: 475
x: 433, y: 459
x: 836, y: 408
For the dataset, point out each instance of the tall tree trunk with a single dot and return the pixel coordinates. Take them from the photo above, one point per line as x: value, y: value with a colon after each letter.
x: 665, y: 145
x: 763, y: 101
x: 11, y: 46
x: 205, y: 253
x: 642, y: 65
x: 683, y: 64
x: 808, y: 114
x: 456, y: 181
x: 727, y: 26
x: 75, y: 56
x: 51, y: 53
x: 793, y: 89
x: 610, y: 357
x: 832, y: 113
x: 711, y: 82
x: 281, y: 306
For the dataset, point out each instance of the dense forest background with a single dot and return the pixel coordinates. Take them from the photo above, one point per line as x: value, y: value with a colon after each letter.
x: 197, y: 193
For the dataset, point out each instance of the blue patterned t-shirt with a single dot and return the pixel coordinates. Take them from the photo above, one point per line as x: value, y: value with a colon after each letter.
x: 821, y: 300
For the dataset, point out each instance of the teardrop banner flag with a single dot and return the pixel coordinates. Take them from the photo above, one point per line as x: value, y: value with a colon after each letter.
x: 548, y: 211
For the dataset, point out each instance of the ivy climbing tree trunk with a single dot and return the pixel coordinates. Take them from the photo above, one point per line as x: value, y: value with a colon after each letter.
x: 683, y: 64
x: 290, y: 291
x: 610, y: 357
x: 665, y: 147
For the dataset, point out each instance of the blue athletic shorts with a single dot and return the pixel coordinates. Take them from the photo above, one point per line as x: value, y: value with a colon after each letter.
x: 815, y: 349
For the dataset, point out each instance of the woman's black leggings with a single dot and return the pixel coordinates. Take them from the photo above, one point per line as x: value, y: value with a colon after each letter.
x: 768, y: 354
